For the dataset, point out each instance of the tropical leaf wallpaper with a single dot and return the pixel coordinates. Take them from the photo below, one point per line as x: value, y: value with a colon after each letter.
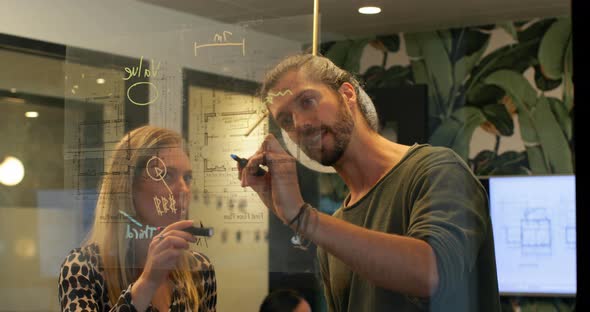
x: 500, y: 95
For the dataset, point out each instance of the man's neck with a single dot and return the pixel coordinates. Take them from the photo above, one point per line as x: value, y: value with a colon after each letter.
x: 367, y: 159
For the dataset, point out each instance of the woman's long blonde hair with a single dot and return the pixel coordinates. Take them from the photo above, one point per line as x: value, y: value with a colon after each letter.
x: 109, y: 231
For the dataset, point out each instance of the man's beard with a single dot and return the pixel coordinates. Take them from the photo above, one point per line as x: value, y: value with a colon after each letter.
x: 341, y: 131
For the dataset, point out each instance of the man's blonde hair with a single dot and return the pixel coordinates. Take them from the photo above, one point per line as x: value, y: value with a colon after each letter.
x: 321, y: 69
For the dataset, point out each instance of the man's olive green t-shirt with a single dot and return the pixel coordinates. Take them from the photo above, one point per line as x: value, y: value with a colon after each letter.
x: 433, y: 196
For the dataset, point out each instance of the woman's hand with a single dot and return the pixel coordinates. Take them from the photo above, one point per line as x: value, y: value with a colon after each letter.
x: 164, y: 251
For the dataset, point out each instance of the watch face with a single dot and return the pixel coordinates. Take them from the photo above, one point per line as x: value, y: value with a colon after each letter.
x: 296, y: 152
x: 296, y: 240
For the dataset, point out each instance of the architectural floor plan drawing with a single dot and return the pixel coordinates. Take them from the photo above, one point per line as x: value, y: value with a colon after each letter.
x: 536, y: 228
x: 219, y: 122
x: 533, y: 234
x: 533, y: 220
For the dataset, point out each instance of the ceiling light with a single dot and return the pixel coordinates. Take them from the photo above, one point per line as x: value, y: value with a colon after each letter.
x: 100, y: 81
x: 32, y: 114
x: 369, y: 10
x: 11, y: 171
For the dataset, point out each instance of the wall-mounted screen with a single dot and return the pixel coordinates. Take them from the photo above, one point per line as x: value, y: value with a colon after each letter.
x: 534, y: 224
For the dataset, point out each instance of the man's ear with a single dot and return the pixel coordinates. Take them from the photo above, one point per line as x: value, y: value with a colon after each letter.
x: 350, y: 96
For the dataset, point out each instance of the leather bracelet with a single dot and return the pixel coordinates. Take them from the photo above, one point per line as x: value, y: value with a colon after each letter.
x: 301, y: 209
x: 299, y: 241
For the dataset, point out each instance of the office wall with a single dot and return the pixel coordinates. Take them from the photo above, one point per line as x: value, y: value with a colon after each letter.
x: 500, y: 95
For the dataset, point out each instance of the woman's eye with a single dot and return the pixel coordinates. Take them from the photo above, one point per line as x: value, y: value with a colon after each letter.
x: 169, y: 176
x: 188, y: 178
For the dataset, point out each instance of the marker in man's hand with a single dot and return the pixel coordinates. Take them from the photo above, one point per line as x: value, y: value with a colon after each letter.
x: 242, y: 162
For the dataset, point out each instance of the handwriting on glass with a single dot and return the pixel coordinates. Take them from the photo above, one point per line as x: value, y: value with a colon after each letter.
x: 146, y: 233
x: 150, y: 231
x: 136, y: 71
x: 160, y: 173
x: 164, y: 205
x: 270, y: 96
x: 222, y: 40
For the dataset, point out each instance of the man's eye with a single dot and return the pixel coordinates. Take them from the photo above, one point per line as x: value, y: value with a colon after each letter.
x: 308, y: 102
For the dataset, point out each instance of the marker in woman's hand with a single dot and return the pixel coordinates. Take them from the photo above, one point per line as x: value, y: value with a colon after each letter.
x: 242, y: 162
x: 196, y: 231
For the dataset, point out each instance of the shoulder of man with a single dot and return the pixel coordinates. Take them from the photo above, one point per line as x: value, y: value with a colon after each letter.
x: 427, y: 155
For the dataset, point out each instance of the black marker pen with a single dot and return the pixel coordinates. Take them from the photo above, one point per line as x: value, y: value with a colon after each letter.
x: 196, y: 231
x: 243, y: 162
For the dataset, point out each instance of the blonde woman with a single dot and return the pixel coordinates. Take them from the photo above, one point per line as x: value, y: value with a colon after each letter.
x: 126, y: 264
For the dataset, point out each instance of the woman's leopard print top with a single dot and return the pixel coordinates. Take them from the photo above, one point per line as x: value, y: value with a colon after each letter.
x: 82, y: 286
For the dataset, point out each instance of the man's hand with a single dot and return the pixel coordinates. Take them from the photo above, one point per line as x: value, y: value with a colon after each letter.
x: 279, y: 187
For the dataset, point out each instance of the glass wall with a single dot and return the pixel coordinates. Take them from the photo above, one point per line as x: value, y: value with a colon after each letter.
x: 78, y: 180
